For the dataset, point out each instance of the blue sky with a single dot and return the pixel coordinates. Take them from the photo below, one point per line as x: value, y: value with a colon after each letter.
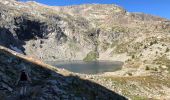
x: 154, y: 7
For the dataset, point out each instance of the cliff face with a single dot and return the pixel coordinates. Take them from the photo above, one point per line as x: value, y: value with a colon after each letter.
x: 88, y: 32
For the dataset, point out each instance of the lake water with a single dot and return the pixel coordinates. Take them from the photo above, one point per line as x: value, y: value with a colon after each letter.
x: 88, y: 67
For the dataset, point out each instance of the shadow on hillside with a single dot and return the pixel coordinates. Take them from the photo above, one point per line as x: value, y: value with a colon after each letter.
x: 7, y: 39
x: 96, y: 91
x: 46, y: 84
x: 71, y: 87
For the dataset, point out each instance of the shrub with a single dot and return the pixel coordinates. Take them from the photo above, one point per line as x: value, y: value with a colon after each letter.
x: 133, y: 56
x: 130, y: 74
x: 145, y: 47
x: 141, y: 55
x: 155, y: 69
x: 156, y: 52
x: 147, y: 68
x: 167, y: 50
x: 153, y: 42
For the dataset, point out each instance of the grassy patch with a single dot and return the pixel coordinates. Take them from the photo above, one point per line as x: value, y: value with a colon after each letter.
x: 119, y: 29
x: 146, y: 81
x: 114, y: 43
x: 163, y: 60
x: 167, y: 50
x: 123, y: 47
x: 105, y: 46
x: 133, y: 86
x: 73, y: 46
x: 91, y: 56
x: 167, y: 39
x: 139, y: 98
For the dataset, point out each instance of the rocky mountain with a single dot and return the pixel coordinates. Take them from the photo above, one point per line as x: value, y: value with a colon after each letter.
x: 91, y: 32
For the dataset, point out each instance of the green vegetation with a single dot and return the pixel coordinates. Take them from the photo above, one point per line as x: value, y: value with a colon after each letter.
x: 73, y: 46
x: 137, y: 46
x: 153, y: 42
x: 119, y: 29
x: 130, y: 74
x: 147, y: 68
x: 133, y: 56
x: 167, y: 50
x: 121, y: 48
x: 91, y: 56
x: 136, y: 97
x: 114, y: 43
x: 151, y: 68
x: 143, y: 80
x: 163, y: 60
x: 155, y: 69
x: 166, y: 39
x: 105, y: 46
x: 129, y: 85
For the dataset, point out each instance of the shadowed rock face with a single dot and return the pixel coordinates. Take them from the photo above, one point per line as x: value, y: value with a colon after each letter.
x: 29, y: 29
x: 47, y: 82
x: 6, y: 37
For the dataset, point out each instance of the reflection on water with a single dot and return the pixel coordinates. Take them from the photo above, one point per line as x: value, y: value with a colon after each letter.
x: 88, y: 67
